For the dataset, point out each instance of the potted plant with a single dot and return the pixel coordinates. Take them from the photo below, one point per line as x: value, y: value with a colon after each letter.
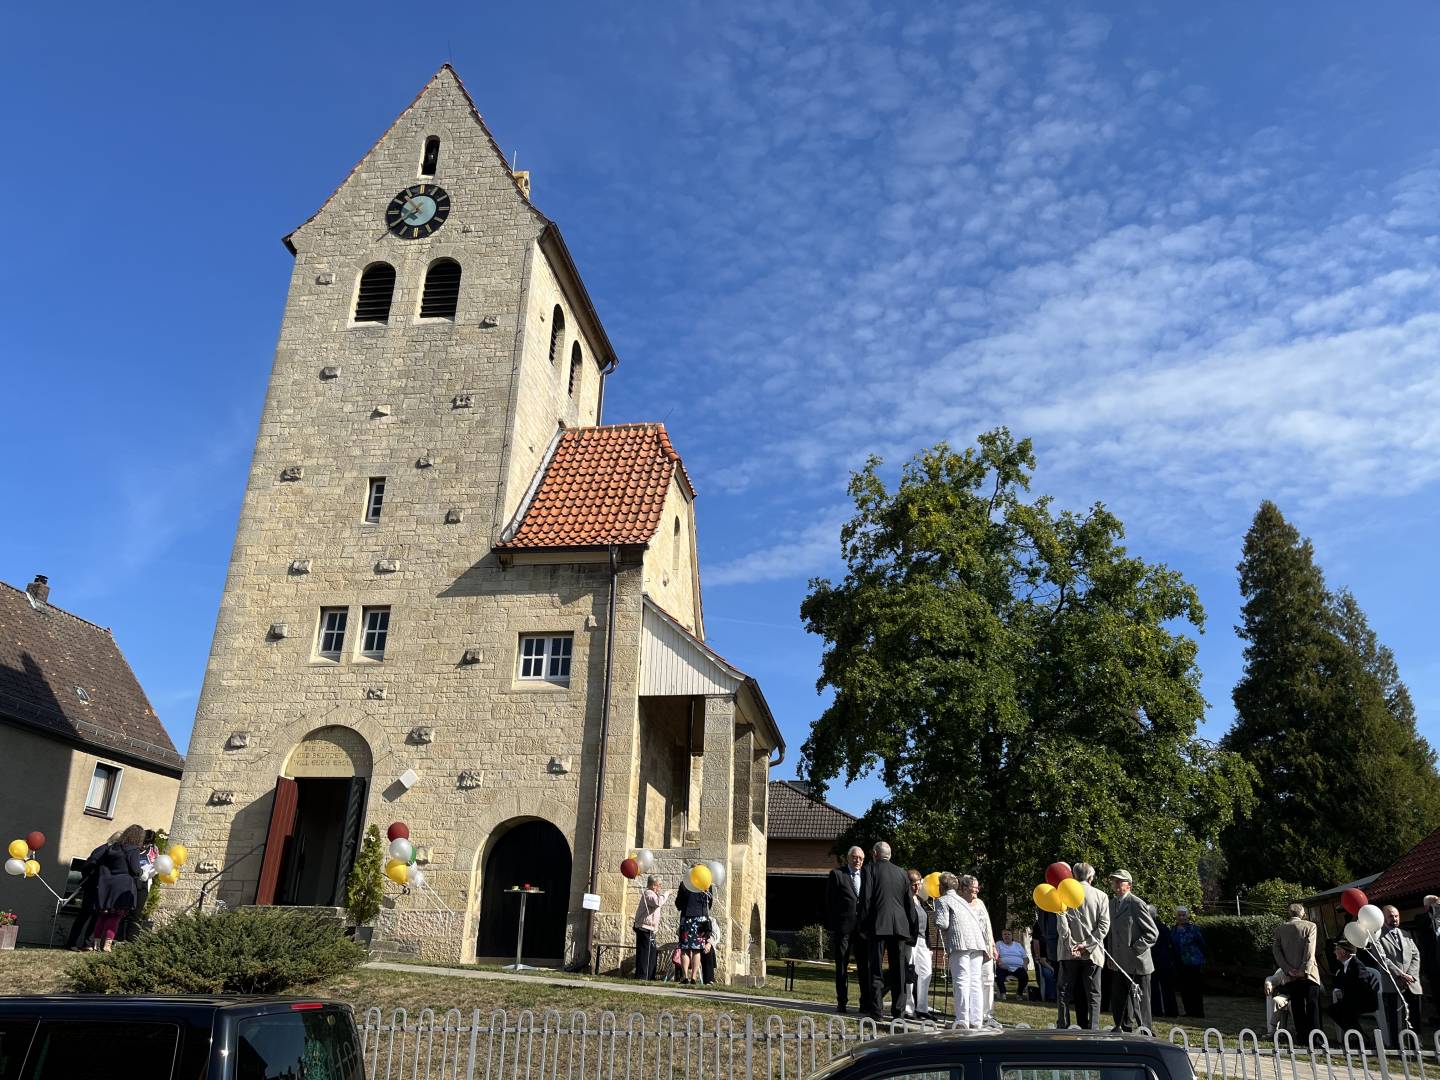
x: 366, y: 886
x: 9, y: 929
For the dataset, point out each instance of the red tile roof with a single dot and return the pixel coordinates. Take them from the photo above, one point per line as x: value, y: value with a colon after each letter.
x: 795, y: 814
x: 47, y: 656
x: 1414, y: 874
x: 602, y: 485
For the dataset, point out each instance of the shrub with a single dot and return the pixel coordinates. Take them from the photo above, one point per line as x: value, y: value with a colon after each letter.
x: 774, y: 950
x: 1273, y: 895
x: 366, y: 886
x: 810, y: 943
x: 234, y: 952
x: 1239, y: 944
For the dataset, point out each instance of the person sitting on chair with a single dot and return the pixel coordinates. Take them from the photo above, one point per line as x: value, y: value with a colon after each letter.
x: 1011, y: 962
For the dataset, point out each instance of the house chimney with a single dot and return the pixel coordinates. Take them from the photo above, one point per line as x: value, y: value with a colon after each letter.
x: 39, y: 589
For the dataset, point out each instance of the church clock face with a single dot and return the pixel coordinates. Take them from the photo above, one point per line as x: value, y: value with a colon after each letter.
x: 417, y: 211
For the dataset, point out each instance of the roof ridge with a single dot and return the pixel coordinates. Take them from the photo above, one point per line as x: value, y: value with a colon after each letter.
x: 56, y: 607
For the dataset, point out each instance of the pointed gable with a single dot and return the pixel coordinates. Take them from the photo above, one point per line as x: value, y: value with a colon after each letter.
x: 601, y: 486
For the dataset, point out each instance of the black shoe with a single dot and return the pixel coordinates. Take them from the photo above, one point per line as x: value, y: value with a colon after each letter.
x: 841, y: 1009
x: 878, y: 1017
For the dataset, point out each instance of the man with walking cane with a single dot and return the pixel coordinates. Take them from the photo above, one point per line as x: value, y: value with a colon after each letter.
x: 1133, y: 934
x: 1081, y: 948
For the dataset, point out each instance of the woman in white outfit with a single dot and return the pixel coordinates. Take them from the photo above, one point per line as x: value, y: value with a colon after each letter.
x: 917, y: 996
x: 970, y: 891
x: 965, y: 950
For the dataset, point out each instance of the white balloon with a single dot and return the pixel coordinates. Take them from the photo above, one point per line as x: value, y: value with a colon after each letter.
x: 417, y: 877
x: 717, y: 872
x: 401, y: 849
x: 685, y: 882
x: 1370, y: 918
x: 164, y: 864
x: 15, y: 867
x: 646, y: 861
x: 1357, y: 935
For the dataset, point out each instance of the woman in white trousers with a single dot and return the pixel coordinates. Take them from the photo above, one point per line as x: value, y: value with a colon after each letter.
x: 917, y: 996
x: 965, y: 951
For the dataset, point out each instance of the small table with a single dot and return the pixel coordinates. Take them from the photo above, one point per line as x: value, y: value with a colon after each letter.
x: 525, y: 891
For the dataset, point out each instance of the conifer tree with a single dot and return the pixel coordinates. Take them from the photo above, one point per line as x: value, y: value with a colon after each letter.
x: 1346, y: 784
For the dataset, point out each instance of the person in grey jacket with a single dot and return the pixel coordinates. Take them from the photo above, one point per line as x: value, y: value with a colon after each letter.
x: 1081, y: 947
x: 1133, y: 934
x: 1399, y: 979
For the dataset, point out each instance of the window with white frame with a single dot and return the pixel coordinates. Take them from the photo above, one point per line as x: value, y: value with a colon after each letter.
x: 104, y: 789
x: 377, y: 631
x: 546, y: 657
x: 375, y: 499
x: 331, y: 641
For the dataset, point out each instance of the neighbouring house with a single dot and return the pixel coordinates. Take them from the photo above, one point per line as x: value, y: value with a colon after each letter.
x: 459, y: 600
x: 85, y: 755
x: 802, y: 837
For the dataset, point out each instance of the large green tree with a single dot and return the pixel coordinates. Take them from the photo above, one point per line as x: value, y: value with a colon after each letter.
x: 1346, y: 783
x: 1015, y: 677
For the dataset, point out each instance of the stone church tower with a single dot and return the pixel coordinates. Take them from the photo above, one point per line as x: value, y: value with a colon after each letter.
x: 459, y: 601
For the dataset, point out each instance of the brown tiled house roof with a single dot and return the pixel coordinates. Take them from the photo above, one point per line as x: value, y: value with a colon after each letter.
x: 602, y: 485
x: 795, y: 814
x: 1412, y: 876
x: 47, y: 656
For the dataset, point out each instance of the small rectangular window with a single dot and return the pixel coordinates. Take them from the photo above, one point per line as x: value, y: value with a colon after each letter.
x: 332, y: 632
x: 375, y: 499
x: 377, y: 630
x: 546, y: 657
x: 104, y: 787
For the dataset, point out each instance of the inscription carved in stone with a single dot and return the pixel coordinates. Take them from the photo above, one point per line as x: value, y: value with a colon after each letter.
x: 299, y: 566
x: 330, y: 371
x: 470, y: 779
x: 387, y: 566
x: 279, y: 630
x: 222, y: 798
x: 422, y: 736
x: 462, y: 401
x: 292, y: 472
x: 238, y: 740
x: 375, y: 693
x: 454, y: 516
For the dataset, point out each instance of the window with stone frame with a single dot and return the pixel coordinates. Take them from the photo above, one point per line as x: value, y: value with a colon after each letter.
x: 557, y: 335
x: 576, y: 365
x: 375, y: 499
x: 104, y: 790
x: 430, y: 156
x: 376, y: 626
x: 377, y: 289
x: 330, y: 640
x: 546, y: 657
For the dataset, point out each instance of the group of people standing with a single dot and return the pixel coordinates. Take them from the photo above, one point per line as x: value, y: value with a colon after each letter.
x: 114, y: 882
x: 694, y: 959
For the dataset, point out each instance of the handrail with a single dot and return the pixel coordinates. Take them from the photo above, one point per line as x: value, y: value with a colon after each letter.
x: 205, y: 889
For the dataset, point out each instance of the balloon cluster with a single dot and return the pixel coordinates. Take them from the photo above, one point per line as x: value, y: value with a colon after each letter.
x: 22, y: 861
x: 704, y: 874
x: 637, y: 863
x: 169, y: 862
x: 1368, y: 918
x: 1059, y: 891
x: 400, y: 866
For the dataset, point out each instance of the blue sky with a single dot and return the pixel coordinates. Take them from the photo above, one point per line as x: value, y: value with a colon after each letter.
x: 1192, y: 254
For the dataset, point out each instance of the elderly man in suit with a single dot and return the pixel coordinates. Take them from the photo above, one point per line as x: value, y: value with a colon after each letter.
x: 1400, y: 979
x: 1080, y: 944
x: 1426, y: 931
x: 888, y: 921
x: 1133, y: 934
x: 1293, y: 947
x: 842, y: 915
x: 1356, y: 990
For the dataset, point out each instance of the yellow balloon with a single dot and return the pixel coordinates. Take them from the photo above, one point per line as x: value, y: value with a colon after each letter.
x: 32, y: 868
x: 179, y: 853
x: 19, y: 849
x: 171, y: 878
x: 1070, y: 893
x: 700, y: 877
x: 1046, y: 899
x: 397, y: 871
x: 931, y: 884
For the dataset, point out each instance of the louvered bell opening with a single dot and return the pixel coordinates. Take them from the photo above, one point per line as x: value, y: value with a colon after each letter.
x: 442, y: 291
x: 377, y: 287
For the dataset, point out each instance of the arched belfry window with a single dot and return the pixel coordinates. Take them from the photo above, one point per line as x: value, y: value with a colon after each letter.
x: 574, y: 368
x: 377, y: 289
x: 675, y: 549
x: 430, y: 159
x: 557, y: 335
x: 442, y: 290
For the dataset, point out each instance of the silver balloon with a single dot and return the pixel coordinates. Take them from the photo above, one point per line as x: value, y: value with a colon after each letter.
x: 164, y: 864
x: 646, y: 859
x: 1357, y: 935
x: 15, y: 867
x: 1370, y: 918
x: 417, y: 877
x: 717, y: 872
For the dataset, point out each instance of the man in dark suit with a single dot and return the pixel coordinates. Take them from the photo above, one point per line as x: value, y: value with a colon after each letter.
x: 1425, y: 929
x: 1356, y: 990
x: 842, y: 913
x: 888, y: 920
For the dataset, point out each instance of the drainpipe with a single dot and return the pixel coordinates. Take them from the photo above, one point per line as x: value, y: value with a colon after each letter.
x: 614, y: 553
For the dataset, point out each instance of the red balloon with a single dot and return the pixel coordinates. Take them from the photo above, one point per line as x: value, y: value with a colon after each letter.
x: 1057, y: 872
x: 1352, y: 900
x: 36, y: 840
x: 630, y: 868
x: 398, y: 831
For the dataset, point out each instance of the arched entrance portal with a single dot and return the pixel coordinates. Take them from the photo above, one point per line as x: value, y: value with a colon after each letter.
x: 525, y: 853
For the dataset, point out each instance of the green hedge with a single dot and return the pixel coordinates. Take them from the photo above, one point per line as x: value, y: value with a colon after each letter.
x: 810, y: 943
x: 237, y: 952
x: 1238, y: 944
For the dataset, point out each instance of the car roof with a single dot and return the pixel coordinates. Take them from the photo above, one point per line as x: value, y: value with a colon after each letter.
x: 1013, y: 1040
x: 178, y: 1005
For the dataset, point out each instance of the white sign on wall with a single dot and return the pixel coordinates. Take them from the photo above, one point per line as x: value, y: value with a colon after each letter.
x: 590, y: 901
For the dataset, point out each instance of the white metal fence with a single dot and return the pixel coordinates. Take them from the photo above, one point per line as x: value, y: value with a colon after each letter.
x: 551, y: 1045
